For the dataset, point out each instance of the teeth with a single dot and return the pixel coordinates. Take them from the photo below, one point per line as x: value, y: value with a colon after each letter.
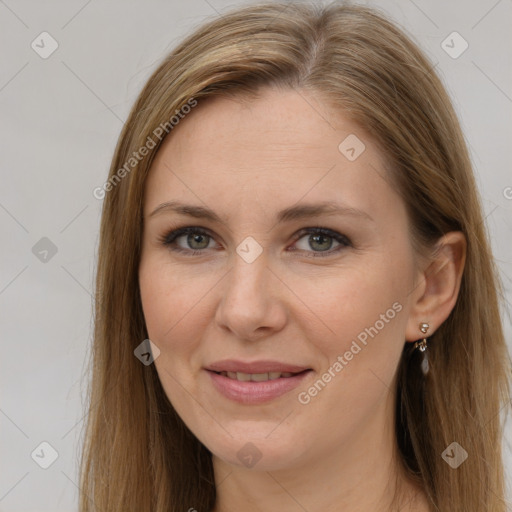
x: 256, y: 377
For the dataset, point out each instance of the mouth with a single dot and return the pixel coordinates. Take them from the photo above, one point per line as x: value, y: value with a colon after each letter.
x: 256, y: 382
x: 258, y: 377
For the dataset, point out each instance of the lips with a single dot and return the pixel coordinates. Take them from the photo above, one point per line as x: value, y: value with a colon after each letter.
x: 255, y: 382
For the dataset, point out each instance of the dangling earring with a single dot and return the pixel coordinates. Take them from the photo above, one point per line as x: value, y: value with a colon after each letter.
x: 422, y: 346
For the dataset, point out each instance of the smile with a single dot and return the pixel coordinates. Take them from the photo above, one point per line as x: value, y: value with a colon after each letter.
x: 256, y: 382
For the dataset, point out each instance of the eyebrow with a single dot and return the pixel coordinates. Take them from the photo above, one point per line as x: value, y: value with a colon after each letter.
x: 288, y: 214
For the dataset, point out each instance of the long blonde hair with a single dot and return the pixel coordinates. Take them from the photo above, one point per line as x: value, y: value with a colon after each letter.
x: 138, y: 454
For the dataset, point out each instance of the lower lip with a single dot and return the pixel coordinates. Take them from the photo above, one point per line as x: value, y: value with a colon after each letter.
x: 249, y: 392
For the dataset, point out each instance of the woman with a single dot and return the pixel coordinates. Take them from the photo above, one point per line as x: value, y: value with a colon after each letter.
x: 307, y: 254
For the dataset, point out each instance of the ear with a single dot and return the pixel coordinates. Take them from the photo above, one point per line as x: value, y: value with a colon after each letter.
x: 438, y: 286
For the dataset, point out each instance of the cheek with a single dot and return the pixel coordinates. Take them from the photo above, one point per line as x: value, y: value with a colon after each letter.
x: 355, y: 299
x: 366, y: 311
x: 169, y: 300
x: 157, y: 299
x: 175, y: 303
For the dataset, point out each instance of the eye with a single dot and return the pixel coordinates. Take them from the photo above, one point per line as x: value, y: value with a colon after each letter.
x: 321, y: 240
x: 191, y: 240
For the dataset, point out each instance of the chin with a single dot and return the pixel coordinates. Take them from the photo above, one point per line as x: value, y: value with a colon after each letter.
x: 257, y: 451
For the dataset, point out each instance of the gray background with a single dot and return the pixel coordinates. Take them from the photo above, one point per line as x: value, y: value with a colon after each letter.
x: 60, y: 119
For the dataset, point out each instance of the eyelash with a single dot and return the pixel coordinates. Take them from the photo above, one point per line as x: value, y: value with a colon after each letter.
x: 169, y: 240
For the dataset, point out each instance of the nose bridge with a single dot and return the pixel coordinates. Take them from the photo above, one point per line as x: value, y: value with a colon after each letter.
x: 249, y: 302
x: 248, y: 278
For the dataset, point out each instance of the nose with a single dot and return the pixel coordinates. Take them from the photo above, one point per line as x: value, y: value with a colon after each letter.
x: 251, y: 306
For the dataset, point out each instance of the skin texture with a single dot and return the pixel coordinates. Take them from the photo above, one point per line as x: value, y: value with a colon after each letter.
x: 247, y: 159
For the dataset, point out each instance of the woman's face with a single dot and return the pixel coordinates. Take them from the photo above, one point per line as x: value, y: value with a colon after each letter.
x: 280, y: 321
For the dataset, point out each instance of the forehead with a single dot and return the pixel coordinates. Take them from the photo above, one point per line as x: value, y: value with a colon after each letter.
x: 276, y: 149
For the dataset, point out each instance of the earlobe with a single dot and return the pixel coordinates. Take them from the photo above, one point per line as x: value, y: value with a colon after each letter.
x: 441, y: 278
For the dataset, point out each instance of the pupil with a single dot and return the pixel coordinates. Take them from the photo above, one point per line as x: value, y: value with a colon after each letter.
x: 197, y: 238
x: 318, y: 240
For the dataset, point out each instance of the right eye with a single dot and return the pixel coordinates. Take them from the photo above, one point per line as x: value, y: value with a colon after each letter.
x: 188, y: 240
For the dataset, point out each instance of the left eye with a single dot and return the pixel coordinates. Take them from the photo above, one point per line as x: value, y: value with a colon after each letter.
x: 321, y: 240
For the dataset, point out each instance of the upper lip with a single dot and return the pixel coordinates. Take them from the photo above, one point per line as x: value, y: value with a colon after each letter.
x: 231, y: 365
